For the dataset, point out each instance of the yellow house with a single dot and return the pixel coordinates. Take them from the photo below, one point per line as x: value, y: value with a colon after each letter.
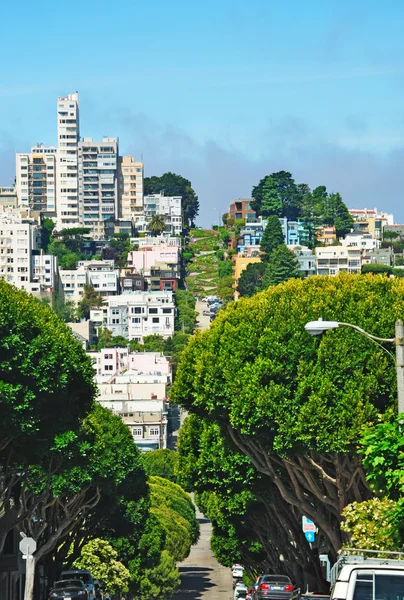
x: 240, y: 265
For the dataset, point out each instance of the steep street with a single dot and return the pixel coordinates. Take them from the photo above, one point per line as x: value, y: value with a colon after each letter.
x: 201, y: 575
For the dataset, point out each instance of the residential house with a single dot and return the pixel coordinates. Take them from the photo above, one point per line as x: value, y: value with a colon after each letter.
x: 101, y: 275
x: 241, y: 209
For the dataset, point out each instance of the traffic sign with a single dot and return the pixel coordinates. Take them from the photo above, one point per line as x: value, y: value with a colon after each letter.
x: 27, y: 545
x: 308, y: 524
x: 310, y: 536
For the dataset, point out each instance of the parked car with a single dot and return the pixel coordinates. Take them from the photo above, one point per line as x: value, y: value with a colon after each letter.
x: 240, y: 591
x: 237, y: 572
x: 73, y: 589
x: 85, y: 576
x: 206, y: 312
x: 276, y: 587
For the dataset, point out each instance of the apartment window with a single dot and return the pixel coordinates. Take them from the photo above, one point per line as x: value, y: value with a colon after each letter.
x: 137, y: 310
x: 167, y: 311
x: 137, y: 432
x: 153, y: 311
x: 156, y: 320
x: 136, y: 320
x: 154, y: 431
x: 107, y: 356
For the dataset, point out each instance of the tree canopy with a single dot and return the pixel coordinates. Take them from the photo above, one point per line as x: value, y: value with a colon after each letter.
x: 251, y: 279
x: 171, y: 184
x: 277, y: 194
x: 272, y: 238
x: 282, y: 265
x: 293, y: 404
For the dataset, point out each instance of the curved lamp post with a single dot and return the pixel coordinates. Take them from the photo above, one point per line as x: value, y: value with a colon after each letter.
x: 318, y: 327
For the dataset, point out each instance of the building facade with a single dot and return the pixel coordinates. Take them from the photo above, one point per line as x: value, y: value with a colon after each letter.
x: 36, y: 179
x: 98, y: 180
x: 139, y: 314
x: 18, y: 239
x: 101, y: 275
x: 241, y: 209
x: 67, y: 193
x: 131, y: 173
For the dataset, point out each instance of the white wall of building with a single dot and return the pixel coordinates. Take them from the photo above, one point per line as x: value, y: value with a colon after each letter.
x: 67, y: 172
x: 17, y: 241
x: 98, y: 180
x: 36, y: 179
x: 131, y: 175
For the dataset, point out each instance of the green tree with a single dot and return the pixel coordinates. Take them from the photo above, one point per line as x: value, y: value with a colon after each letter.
x: 100, y: 558
x: 273, y: 237
x: 336, y: 213
x: 225, y: 288
x: 118, y: 249
x: 47, y: 228
x: 160, y: 581
x: 272, y: 388
x: 363, y: 524
x: 186, y: 314
x: 171, y: 184
x: 251, y: 279
x: 242, y: 503
x: 162, y: 463
x: 283, y: 265
x: 65, y: 309
x: 157, y: 225
x: 89, y: 300
x: 94, y: 460
x: 43, y: 371
x: 277, y: 194
x: 153, y: 343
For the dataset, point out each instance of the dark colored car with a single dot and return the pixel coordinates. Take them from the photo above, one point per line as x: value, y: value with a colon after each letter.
x: 73, y: 589
x: 276, y: 587
x: 82, y: 574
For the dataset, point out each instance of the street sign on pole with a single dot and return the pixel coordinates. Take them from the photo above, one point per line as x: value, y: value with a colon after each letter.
x: 310, y: 536
x: 308, y: 525
x: 27, y: 545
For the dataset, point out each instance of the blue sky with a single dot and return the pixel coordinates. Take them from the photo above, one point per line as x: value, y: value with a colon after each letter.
x: 222, y: 92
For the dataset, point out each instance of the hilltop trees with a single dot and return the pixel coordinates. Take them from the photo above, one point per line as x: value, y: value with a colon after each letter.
x: 293, y: 405
x: 277, y: 194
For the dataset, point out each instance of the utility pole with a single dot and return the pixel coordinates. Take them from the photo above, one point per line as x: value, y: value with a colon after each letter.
x: 399, y: 341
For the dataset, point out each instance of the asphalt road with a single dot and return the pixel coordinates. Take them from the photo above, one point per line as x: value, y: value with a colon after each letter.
x: 201, y: 575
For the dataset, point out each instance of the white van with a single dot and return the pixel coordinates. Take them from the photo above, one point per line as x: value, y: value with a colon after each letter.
x: 368, y: 575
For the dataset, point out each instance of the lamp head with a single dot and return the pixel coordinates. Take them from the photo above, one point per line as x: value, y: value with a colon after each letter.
x: 318, y: 327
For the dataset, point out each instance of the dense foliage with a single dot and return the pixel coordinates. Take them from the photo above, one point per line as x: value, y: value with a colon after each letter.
x: 296, y: 405
x: 161, y: 463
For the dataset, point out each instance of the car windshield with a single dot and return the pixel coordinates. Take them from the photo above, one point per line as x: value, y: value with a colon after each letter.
x: 83, y: 576
x: 387, y: 587
x: 276, y: 578
x: 69, y: 583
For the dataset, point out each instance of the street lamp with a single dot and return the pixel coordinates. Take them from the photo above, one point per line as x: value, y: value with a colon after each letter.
x: 318, y: 327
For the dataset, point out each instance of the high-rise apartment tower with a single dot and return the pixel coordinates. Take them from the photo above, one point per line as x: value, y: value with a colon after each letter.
x: 67, y: 175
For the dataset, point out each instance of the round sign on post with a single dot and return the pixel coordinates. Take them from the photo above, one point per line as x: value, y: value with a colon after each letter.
x: 27, y: 545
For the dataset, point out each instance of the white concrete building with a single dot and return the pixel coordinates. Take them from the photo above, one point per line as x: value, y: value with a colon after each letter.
x: 36, y: 179
x: 98, y: 180
x: 167, y: 206
x: 159, y: 240
x: 131, y: 175
x: 149, y: 257
x: 333, y: 259
x: 112, y: 361
x: 18, y: 239
x: 357, y: 239
x: 100, y: 274
x: 67, y: 170
x: 136, y: 315
x: 134, y: 386
x: 306, y: 258
x: 45, y: 275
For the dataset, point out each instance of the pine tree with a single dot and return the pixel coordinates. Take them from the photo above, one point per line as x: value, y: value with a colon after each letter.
x: 283, y: 265
x: 273, y: 237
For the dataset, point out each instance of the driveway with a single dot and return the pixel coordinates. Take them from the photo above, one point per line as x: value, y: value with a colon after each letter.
x: 201, y: 575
